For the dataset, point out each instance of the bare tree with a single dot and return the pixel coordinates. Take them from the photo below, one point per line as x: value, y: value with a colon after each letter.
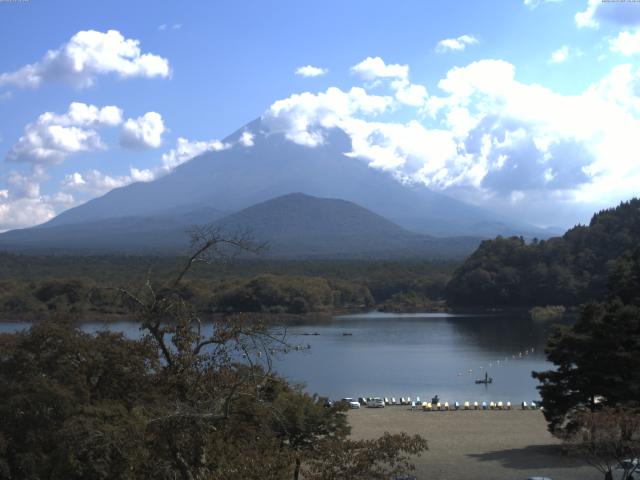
x: 608, y: 439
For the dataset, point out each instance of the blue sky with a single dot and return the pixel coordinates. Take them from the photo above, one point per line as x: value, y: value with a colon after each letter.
x: 536, y: 118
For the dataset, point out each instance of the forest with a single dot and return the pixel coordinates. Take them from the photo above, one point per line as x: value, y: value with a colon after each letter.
x: 83, y: 286
x: 568, y: 270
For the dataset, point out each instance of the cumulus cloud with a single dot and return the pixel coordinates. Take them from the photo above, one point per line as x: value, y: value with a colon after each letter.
x: 246, y: 139
x: 94, y: 182
x: 560, y: 55
x: 303, y: 118
x: 486, y: 135
x: 52, y: 138
x: 311, y: 71
x: 86, y: 55
x: 409, y: 93
x: 21, y: 212
x: 373, y: 68
x: 586, y: 18
x: 144, y: 175
x: 617, y: 13
x: 143, y: 132
x: 455, y: 44
x: 626, y: 43
x: 22, y: 203
x: 185, y: 150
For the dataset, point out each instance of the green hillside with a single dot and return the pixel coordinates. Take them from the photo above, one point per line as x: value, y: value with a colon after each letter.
x: 567, y: 270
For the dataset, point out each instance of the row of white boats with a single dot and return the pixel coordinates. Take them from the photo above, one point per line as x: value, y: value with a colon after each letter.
x: 436, y: 405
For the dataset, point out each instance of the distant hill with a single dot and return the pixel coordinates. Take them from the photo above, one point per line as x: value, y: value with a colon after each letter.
x: 567, y: 270
x: 242, y: 176
x: 294, y: 225
x: 302, y: 225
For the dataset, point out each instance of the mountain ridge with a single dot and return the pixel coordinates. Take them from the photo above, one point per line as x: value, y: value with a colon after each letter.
x: 295, y: 225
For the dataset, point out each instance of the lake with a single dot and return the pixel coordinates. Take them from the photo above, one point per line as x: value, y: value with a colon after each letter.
x: 394, y: 355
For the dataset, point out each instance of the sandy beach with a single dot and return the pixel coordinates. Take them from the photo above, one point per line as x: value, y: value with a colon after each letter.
x: 482, y: 445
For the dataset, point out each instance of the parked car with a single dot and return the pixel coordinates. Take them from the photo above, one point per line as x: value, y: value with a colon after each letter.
x: 376, y: 402
x: 352, y: 403
x: 627, y: 469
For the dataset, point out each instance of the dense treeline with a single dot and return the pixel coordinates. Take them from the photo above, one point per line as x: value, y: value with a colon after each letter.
x: 567, y: 270
x: 83, y: 286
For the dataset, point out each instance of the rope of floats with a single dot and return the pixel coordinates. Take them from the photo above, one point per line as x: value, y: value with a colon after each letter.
x: 501, y: 362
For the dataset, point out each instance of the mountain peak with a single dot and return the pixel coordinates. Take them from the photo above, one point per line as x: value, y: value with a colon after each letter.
x: 270, y: 166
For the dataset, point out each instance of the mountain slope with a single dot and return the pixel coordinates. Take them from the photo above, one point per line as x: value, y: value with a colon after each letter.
x: 239, y: 177
x: 294, y: 225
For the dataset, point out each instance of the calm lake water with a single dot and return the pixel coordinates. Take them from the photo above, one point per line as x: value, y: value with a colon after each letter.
x: 413, y: 355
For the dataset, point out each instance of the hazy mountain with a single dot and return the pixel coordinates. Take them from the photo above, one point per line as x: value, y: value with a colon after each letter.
x: 241, y: 176
x: 294, y: 225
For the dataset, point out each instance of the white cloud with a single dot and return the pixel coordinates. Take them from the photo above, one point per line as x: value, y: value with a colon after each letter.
x: 455, y: 44
x: 185, y: 150
x: 488, y: 136
x: 311, y: 71
x: 560, y: 55
x: 145, y: 175
x: 143, y: 132
x: 409, y: 93
x: 83, y: 115
x: 626, y: 43
x: 587, y: 18
x: 304, y: 117
x: 94, y: 182
x: 624, y: 13
x: 25, y: 186
x: 22, y: 203
x: 373, y: 68
x: 52, y: 138
x: 86, y: 55
x: 22, y: 212
x: 246, y: 139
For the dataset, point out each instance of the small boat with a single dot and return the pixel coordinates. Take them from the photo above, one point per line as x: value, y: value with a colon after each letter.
x: 486, y: 380
x: 345, y: 334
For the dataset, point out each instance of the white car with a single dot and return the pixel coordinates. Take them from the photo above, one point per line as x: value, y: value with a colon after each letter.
x: 351, y: 402
x: 375, y: 402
